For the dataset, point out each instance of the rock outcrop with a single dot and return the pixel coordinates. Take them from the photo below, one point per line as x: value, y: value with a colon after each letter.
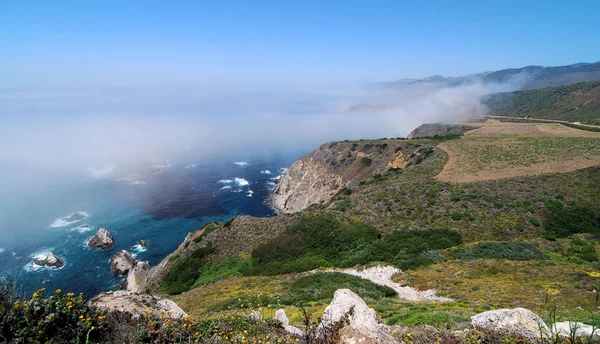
x: 285, y: 323
x: 50, y: 260
x: 136, y: 276
x: 127, y: 301
x: 516, y: 322
x: 362, y: 320
x: 102, y: 240
x: 121, y: 263
x: 430, y: 130
x: 318, y: 176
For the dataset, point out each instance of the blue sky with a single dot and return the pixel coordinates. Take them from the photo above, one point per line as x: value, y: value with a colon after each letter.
x: 95, y: 43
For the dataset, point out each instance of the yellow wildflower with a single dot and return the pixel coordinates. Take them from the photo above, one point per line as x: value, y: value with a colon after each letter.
x: 57, y: 291
x: 81, y: 317
x: 552, y: 291
x: 594, y: 274
x: 71, y: 294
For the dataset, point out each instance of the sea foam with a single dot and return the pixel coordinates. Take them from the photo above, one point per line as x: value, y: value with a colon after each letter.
x: 241, y: 163
x: 241, y: 181
x: 265, y: 172
x: 70, y: 219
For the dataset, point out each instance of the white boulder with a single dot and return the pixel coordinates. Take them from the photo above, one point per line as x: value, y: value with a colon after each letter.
x: 518, y: 322
x: 565, y: 328
x: 361, y: 318
x: 127, y: 301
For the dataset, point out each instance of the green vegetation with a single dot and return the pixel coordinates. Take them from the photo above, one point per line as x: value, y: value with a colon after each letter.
x: 366, y: 161
x: 66, y: 318
x: 185, y: 271
x: 501, y: 250
x: 565, y: 222
x: 572, y: 103
x: 316, y: 287
x: 317, y: 241
x: 215, y: 271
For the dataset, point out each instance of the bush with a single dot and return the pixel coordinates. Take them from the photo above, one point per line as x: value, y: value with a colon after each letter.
x: 582, y: 250
x: 554, y: 205
x: 571, y: 221
x: 184, y: 272
x: 456, y: 216
x: 366, y: 161
x: 501, y: 250
x: 322, y: 286
x: 535, y: 221
x: 212, y: 272
x: 317, y: 241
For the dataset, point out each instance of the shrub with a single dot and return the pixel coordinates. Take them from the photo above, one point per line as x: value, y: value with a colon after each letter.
x: 215, y: 271
x: 184, y: 272
x: 554, y: 205
x: 322, y: 286
x: 571, y: 221
x: 456, y: 216
x: 582, y: 250
x: 366, y: 161
x: 535, y: 221
x: 501, y: 250
x: 317, y: 241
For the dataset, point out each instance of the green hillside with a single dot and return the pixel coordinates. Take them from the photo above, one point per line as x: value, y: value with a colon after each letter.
x: 573, y: 103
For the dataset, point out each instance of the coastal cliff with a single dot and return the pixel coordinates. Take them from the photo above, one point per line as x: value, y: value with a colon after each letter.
x: 321, y: 174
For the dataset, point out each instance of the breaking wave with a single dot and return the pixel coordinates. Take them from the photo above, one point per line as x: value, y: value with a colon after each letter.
x: 70, y: 219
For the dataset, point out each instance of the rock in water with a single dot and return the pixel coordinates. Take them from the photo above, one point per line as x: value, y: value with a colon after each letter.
x: 50, y: 260
x: 127, y: 301
x: 517, y: 322
x: 142, y: 243
x: 362, y: 319
x: 121, y: 263
x: 102, y: 240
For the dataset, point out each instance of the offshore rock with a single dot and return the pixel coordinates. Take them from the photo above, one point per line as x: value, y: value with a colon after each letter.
x: 102, y: 240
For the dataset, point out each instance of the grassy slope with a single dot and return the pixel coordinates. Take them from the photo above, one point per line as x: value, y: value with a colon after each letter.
x: 573, y: 103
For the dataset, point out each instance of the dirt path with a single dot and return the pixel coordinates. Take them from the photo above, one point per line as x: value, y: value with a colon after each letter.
x: 382, y: 275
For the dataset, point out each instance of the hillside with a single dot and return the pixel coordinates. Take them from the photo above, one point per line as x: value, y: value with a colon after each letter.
x: 574, y: 103
x: 475, y: 240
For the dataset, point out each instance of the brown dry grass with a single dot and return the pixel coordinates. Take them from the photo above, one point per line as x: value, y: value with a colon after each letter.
x: 503, y: 150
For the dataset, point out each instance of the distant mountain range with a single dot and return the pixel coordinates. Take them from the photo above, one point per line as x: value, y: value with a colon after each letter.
x: 534, y: 77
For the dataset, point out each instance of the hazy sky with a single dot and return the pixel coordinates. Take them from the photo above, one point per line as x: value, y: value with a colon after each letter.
x: 92, y: 83
x: 129, y: 42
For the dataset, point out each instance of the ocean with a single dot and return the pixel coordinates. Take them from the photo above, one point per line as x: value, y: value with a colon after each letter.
x: 159, y: 205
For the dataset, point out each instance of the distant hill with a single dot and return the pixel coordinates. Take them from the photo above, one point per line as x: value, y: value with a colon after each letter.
x: 535, y: 76
x: 573, y: 103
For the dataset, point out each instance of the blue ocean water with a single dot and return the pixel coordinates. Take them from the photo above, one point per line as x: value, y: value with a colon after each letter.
x: 159, y: 205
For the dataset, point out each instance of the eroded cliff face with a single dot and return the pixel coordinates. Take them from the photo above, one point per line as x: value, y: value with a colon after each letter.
x: 321, y: 174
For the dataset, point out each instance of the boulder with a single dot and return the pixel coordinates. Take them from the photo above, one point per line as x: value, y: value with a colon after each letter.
x: 121, y: 263
x: 565, y: 328
x: 517, y: 322
x: 50, y: 260
x: 102, y: 240
x: 362, y: 320
x: 127, y: 301
x: 285, y: 323
x: 255, y: 316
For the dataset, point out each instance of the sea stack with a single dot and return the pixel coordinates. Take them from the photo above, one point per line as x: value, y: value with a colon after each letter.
x: 50, y: 260
x: 121, y: 263
x: 102, y: 240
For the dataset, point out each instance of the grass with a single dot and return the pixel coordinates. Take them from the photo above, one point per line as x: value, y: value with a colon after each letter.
x: 501, y: 250
x: 493, y: 283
